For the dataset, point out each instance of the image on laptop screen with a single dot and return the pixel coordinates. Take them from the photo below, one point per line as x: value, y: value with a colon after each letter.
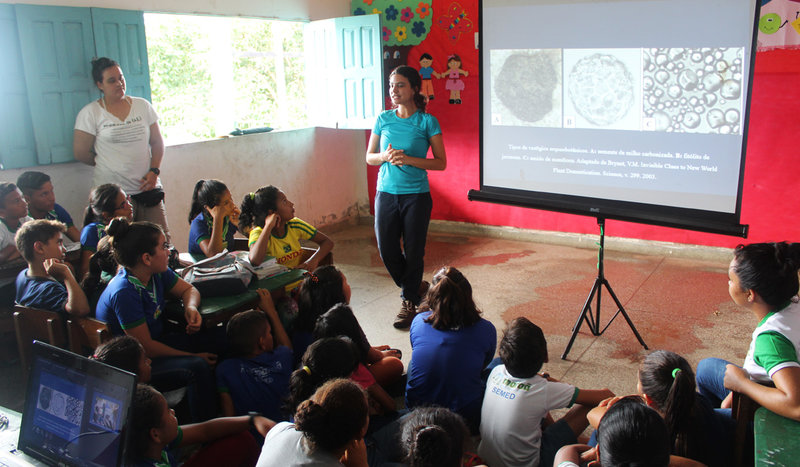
x: 75, y: 410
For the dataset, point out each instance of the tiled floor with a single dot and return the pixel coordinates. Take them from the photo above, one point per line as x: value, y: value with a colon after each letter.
x: 676, y: 304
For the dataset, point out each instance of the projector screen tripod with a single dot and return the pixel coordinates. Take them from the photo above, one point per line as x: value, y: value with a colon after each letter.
x: 593, y: 320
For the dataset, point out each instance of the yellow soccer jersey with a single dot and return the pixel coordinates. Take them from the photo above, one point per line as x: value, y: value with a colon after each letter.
x: 287, y: 249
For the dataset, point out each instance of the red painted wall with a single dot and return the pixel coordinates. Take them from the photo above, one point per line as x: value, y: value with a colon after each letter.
x: 772, y: 165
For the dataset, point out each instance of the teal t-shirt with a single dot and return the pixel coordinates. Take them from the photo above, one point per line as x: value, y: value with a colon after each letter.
x: 412, y: 135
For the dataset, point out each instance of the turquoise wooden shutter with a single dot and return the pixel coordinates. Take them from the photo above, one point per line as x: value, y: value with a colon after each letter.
x: 344, y: 71
x: 17, y: 144
x: 57, y: 46
x: 119, y: 35
x: 359, y: 41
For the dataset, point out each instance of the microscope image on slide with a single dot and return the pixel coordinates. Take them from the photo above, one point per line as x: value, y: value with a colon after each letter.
x: 526, y: 87
x: 697, y: 90
x: 602, y: 89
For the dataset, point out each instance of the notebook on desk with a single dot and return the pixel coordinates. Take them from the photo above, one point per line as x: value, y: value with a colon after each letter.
x: 75, y: 413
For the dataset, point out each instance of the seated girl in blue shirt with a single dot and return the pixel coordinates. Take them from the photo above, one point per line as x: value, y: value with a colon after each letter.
x: 105, y: 203
x: 213, y: 218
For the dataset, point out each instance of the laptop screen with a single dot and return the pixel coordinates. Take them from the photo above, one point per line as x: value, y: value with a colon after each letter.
x: 75, y: 410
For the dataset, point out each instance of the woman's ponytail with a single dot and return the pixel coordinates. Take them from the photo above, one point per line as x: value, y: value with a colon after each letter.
x: 196, y: 208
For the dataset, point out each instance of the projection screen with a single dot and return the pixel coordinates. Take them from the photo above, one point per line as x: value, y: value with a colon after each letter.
x: 630, y: 109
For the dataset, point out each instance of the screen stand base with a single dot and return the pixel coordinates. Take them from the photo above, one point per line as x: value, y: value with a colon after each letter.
x: 593, y: 319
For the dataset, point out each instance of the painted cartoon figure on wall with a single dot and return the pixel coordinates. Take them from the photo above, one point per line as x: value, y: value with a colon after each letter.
x: 454, y: 82
x: 426, y: 72
x: 404, y: 24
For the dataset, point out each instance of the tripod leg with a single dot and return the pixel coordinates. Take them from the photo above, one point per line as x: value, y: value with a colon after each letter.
x: 624, y: 313
x: 587, y: 310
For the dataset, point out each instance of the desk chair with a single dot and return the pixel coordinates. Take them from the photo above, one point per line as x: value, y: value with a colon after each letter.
x: 33, y: 323
x: 743, y: 410
x: 777, y: 439
x: 86, y: 334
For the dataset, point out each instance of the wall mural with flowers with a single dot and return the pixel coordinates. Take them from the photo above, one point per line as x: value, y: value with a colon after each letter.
x: 428, y: 35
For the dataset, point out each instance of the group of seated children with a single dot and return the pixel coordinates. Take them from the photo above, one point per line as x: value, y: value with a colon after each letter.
x: 317, y: 368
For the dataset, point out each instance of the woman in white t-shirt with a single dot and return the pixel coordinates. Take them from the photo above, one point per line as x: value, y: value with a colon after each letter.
x: 120, y: 137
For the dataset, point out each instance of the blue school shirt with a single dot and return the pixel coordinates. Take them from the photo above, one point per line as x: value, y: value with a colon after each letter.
x: 59, y: 214
x: 258, y: 384
x: 445, y: 367
x: 91, y: 235
x: 412, y: 135
x: 200, y: 230
x: 127, y: 303
x: 44, y: 293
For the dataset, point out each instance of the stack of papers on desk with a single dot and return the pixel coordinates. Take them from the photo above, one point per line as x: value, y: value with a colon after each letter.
x: 268, y: 268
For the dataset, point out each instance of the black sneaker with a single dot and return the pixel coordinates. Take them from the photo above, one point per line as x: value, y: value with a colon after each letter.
x: 407, y: 313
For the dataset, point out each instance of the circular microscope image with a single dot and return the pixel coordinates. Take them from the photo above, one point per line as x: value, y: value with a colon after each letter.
x: 601, y: 89
x: 693, y: 90
x: 526, y: 87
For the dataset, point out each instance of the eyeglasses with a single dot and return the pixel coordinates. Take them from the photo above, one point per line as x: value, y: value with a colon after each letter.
x: 125, y: 203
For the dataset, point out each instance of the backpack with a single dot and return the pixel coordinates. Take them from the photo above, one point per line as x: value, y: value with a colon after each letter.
x: 221, y: 274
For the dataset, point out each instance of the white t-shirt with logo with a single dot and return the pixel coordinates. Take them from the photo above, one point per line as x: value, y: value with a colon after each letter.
x: 122, y: 147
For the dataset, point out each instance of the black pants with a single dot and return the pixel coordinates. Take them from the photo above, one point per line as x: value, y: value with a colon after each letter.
x: 403, y: 217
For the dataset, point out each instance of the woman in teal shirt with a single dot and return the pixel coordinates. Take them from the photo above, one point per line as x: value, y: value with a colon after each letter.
x: 399, y: 145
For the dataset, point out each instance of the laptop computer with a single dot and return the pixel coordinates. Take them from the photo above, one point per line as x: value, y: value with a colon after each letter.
x: 75, y: 413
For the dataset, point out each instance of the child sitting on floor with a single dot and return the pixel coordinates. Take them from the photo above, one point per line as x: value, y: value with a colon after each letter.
x: 518, y: 399
x: 48, y: 282
x: 435, y: 436
x: 319, y: 291
x: 340, y: 321
x: 38, y: 191
x: 325, y: 359
x: 328, y: 430
x: 630, y: 434
x: 155, y: 435
x: 667, y: 384
x: 257, y: 377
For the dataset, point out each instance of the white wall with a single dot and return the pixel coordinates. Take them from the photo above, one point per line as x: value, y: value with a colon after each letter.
x: 322, y: 171
x: 297, y: 10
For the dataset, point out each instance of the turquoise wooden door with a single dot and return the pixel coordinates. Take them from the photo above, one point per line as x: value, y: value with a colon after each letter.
x: 17, y: 144
x: 119, y: 35
x: 57, y: 45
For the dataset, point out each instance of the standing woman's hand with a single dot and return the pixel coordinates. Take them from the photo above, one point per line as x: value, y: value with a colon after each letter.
x: 148, y: 181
